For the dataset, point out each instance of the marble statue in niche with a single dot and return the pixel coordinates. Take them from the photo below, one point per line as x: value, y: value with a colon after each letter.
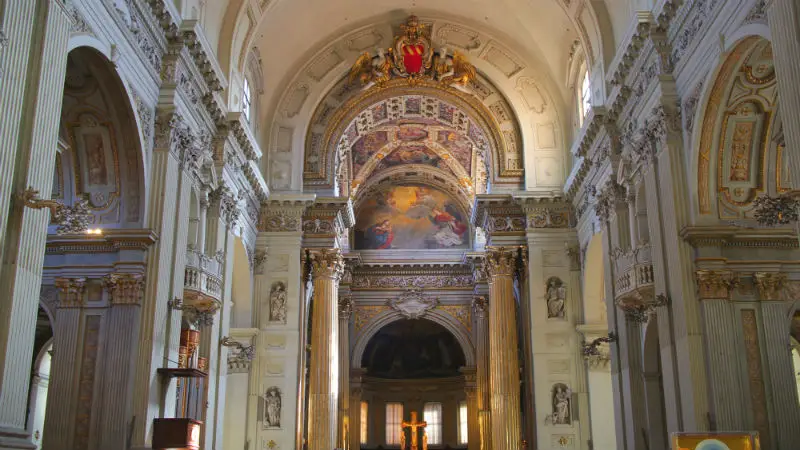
x: 277, y: 303
x: 562, y: 398
x: 272, y: 407
x: 556, y: 297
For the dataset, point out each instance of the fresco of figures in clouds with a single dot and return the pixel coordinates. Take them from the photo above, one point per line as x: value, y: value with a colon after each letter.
x: 411, y: 217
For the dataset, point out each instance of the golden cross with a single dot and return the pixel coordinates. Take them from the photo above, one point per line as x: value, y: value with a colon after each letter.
x: 413, y: 425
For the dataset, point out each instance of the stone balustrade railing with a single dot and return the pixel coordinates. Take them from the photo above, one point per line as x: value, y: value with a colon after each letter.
x: 203, y: 275
x: 634, y: 274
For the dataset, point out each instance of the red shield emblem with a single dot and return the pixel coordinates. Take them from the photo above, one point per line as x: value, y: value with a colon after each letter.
x: 412, y: 57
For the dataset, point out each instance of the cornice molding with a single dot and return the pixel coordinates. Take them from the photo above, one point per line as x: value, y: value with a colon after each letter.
x: 732, y: 236
x: 112, y: 240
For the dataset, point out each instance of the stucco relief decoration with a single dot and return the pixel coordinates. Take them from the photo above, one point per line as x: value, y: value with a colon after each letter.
x: 278, y: 222
x: 270, y: 408
x: 413, y: 304
x: 364, y: 281
x: 737, y: 132
x: 277, y: 303
x: 460, y: 313
x: 365, y: 313
x: 97, y: 162
x: 412, y: 57
x: 68, y: 219
x: 432, y: 125
x: 562, y: 405
x: 556, y: 297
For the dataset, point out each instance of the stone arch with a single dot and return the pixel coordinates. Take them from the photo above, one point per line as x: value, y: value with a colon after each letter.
x: 740, y: 103
x: 452, y: 325
x: 346, y: 114
x: 654, y: 386
x: 101, y: 141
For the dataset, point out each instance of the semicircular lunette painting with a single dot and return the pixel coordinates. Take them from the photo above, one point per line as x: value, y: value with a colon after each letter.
x: 411, y: 217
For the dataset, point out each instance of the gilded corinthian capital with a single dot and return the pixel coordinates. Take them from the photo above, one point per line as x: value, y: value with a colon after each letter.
x: 70, y: 292
x: 124, y: 288
x: 715, y: 284
x: 327, y: 263
x: 480, y: 305
x: 770, y: 285
x: 501, y: 261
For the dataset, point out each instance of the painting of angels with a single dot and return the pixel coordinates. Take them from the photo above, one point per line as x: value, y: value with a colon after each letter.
x: 411, y: 217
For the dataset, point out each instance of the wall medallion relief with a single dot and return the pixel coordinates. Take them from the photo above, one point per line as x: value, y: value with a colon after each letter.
x: 413, y: 304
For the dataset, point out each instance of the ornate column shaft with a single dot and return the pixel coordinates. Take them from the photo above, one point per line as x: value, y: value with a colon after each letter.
x: 355, y: 410
x: 785, y: 412
x: 345, y: 428
x: 504, y: 369
x: 60, y: 421
x: 121, y: 346
x: 33, y: 84
x: 481, y: 307
x: 327, y: 266
x: 784, y: 23
x: 471, y: 391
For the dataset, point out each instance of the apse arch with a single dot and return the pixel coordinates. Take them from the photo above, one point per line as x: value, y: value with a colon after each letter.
x: 346, y: 114
x: 452, y: 325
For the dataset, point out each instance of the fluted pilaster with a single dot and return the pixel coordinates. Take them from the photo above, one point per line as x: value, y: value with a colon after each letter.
x: 722, y: 328
x: 481, y: 307
x: 327, y: 267
x: 125, y: 296
x: 60, y: 424
x: 345, y: 424
x: 504, y: 369
x: 160, y: 279
x: 785, y: 412
x: 34, y: 84
x: 784, y: 23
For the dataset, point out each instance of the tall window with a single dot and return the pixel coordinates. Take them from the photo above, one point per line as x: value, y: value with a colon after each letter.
x: 394, y: 418
x: 432, y: 414
x: 364, y: 411
x: 585, y: 97
x: 463, y: 428
x: 246, y: 100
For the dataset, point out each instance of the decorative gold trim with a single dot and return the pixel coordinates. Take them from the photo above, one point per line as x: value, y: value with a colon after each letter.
x: 71, y: 126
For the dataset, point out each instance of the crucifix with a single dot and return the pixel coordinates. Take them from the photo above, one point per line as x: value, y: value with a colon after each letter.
x: 413, y: 426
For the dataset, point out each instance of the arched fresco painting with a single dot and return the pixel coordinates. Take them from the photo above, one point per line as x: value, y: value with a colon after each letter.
x: 411, y: 217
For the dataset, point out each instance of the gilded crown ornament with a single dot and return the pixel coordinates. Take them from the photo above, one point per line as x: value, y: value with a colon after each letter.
x: 412, y: 57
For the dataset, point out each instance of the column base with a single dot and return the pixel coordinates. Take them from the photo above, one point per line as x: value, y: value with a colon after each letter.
x: 15, y: 439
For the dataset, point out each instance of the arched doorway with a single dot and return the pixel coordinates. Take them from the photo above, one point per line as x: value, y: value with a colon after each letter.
x: 413, y: 366
x: 40, y: 376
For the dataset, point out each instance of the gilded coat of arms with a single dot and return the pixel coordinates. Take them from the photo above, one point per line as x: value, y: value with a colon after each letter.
x: 412, y: 57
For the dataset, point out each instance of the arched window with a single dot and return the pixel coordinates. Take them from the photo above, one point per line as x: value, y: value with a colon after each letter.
x: 246, y: 99
x: 584, y: 98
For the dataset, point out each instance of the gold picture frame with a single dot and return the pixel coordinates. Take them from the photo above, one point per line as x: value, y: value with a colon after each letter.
x: 716, y: 441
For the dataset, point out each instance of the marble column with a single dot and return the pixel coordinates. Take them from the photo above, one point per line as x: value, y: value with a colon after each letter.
x: 61, y: 404
x: 728, y: 404
x: 504, y: 368
x: 327, y: 266
x: 784, y: 24
x: 121, y: 346
x: 480, y: 306
x: 785, y: 412
x: 35, y: 59
x: 345, y: 427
